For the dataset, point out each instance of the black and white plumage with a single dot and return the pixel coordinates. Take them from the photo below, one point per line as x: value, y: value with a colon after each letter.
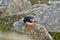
x: 28, y: 19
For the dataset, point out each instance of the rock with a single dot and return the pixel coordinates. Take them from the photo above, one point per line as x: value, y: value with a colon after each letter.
x: 38, y: 32
x: 16, y: 6
x: 53, y: 2
x: 48, y: 16
x: 1, y: 35
x: 14, y: 36
x: 3, y: 6
x: 4, y: 2
x: 11, y: 7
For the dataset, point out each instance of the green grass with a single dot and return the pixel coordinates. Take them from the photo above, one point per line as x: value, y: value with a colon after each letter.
x: 37, y: 1
x: 55, y: 35
x: 3, y: 28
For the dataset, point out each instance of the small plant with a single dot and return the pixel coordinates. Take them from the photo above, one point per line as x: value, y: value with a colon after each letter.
x: 55, y: 35
x: 3, y: 28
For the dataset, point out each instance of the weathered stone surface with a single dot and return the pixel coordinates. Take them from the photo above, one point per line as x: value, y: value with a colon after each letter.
x: 38, y: 32
x: 49, y: 16
x: 3, y: 6
x: 13, y: 36
x: 9, y: 7
x: 4, y: 2
x: 16, y: 6
x: 7, y: 21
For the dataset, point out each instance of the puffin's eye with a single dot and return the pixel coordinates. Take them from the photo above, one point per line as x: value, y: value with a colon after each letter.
x: 35, y: 21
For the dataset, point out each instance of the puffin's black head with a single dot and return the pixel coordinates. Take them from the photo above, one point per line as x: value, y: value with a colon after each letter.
x: 28, y: 19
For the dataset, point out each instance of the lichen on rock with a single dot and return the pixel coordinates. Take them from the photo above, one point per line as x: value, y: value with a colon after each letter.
x: 16, y: 6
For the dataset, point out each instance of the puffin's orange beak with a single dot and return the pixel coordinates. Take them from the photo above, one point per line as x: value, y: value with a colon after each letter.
x: 29, y: 26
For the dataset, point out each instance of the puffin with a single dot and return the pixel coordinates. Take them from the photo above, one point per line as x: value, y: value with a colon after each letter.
x: 29, y: 22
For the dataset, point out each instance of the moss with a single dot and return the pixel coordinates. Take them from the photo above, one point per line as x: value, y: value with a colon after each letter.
x: 37, y: 1
x: 2, y: 28
x: 55, y: 35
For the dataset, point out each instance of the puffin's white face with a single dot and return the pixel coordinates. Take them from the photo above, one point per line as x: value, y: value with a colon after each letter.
x: 33, y: 22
